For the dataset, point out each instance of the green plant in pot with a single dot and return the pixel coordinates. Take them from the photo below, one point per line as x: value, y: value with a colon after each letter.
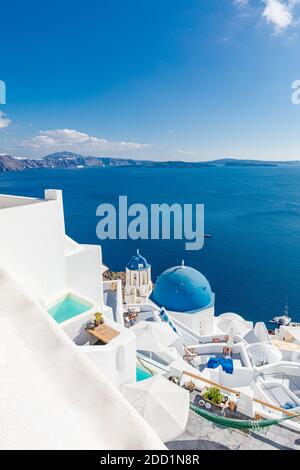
x: 99, y: 320
x: 214, y: 395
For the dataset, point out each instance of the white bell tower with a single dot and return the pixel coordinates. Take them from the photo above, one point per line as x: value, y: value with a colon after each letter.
x: 138, y: 285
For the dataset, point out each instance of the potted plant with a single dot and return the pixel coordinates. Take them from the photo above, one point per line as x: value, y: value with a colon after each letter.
x: 213, y: 395
x: 99, y: 320
x: 190, y: 386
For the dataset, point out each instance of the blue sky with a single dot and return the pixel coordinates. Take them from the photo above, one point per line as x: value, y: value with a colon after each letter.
x: 159, y: 79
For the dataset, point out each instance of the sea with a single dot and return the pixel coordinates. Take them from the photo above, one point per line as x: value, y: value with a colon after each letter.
x: 252, y: 259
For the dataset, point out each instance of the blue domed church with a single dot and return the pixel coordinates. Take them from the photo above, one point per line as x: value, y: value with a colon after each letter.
x: 186, y: 294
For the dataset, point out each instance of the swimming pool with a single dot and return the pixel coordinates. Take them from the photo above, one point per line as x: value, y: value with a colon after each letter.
x: 68, y: 307
x: 142, y: 374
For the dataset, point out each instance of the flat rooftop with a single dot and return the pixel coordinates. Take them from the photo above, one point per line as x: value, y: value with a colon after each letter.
x: 7, y: 201
x: 285, y: 345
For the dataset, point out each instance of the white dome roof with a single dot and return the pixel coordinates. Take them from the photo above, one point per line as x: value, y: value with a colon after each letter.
x: 231, y: 316
x: 232, y: 321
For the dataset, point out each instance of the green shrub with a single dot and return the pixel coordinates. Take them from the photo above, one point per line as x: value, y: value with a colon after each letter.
x: 214, y: 395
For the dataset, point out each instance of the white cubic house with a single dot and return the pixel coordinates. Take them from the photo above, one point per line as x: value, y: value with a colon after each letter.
x: 58, y: 382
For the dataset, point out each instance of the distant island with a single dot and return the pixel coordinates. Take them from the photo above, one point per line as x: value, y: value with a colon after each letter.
x: 75, y: 160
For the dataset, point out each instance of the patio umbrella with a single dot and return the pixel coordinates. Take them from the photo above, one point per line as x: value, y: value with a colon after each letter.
x: 261, y: 332
x: 263, y: 353
x: 231, y: 322
x: 164, y: 405
x: 154, y: 337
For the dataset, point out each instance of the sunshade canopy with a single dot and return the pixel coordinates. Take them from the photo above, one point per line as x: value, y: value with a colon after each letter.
x: 164, y: 405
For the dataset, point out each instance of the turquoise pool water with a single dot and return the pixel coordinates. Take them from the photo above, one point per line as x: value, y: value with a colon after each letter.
x: 142, y: 374
x: 68, y: 308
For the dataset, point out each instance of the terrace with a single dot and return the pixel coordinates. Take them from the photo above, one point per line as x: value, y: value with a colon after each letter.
x: 239, y: 374
x: 8, y: 201
x: 110, y: 346
x: 285, y: 373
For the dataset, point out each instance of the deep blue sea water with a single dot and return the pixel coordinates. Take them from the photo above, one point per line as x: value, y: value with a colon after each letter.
x: 253, y: 258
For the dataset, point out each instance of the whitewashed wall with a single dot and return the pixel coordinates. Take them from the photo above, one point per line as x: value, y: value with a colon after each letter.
x: 201, y: 322
x: 35, y: 249
x: 32, y: 247
x: 83, y: 273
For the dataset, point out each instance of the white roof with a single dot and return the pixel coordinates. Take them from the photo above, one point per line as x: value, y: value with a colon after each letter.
x: 51, y: 395
x: 293, y: 331
x: 232, y: 321
x: 231, y: 316
x: 154, y: 336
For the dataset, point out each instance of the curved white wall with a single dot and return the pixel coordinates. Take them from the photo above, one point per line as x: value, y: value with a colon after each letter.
x: 51, y: 396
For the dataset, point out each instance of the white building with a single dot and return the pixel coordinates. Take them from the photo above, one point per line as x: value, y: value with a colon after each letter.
x: 42, y: 258
x: 58, y: 388
x: 138, y: 285
x: 290, y: 334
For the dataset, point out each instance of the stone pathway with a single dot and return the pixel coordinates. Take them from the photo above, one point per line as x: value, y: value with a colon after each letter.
x: 201, y: 434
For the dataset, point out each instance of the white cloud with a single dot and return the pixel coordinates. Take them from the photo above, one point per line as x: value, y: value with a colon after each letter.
x: 70, y: 139
x: 4, y: 121
x: 241, y: 3
x: 279, y: 13
x: 186, y: 152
